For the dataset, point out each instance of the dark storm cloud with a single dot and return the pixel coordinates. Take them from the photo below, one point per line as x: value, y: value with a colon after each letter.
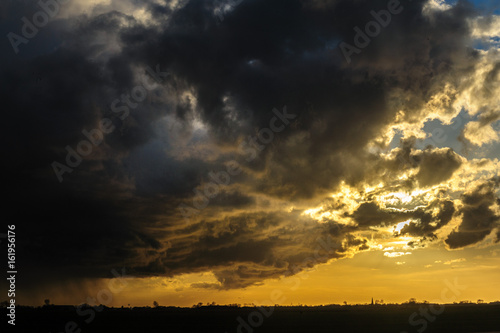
x: 437, y: 166
x: 233, y: 198
x: 245, y: 249
x: 479, y: 217
x: 283, y: 57
x: 370, y: 214
x: 429, y: 166
x: 352, y: 241
x: 264, y: 54
x: 425, y: 220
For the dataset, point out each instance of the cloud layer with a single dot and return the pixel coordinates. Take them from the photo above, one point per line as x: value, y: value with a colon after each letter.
x: 188, y: 91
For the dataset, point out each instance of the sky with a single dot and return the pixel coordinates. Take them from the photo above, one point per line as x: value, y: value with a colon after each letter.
x: 252, y: 151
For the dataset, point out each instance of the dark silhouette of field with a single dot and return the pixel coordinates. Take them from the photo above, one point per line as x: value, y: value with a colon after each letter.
x: 456, y: 318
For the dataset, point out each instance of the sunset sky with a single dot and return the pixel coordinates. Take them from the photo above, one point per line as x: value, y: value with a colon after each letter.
x: 232, y: 151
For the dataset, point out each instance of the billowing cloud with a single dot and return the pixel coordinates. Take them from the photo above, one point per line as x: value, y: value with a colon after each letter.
x: 480, y: 215
x: 479, y: 134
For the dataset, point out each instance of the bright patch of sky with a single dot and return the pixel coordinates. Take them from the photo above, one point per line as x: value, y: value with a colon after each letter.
x: 485, y: 6
x: 443, y: 136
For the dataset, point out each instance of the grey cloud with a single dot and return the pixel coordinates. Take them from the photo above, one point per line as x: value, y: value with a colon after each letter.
x: 437, y: 166
x: 478, y: 216
x: 427, y: 222
x: 250, y: 247
x: 370, y: 214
